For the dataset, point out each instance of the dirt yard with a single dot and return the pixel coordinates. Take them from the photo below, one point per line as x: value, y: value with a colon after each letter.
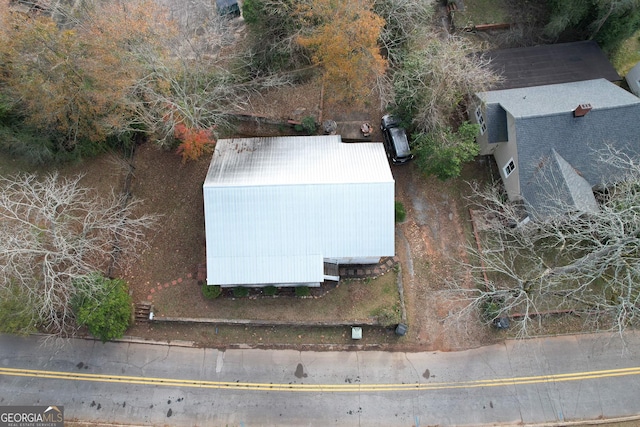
x: 428, y: 243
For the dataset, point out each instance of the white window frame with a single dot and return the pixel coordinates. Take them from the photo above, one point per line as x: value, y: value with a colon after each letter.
x: 508, y: 169
x: 480, y: 120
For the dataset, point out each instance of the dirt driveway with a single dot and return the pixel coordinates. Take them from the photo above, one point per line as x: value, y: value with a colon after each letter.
x: 429, y: 243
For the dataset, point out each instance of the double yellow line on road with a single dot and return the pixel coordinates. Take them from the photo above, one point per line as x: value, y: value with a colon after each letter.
x: 332, y: 388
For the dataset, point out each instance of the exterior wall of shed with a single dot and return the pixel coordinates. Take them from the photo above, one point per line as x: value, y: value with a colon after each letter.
x: 247, y: 227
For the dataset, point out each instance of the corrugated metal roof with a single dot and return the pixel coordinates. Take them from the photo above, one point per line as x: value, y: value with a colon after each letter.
x: 296, y: 160
x: 560, y: 98
x: 268, y: 269
x: 276, y: 207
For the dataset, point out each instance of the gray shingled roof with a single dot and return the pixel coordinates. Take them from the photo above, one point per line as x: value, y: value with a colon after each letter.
x: 560, y: 98
x: 544, y: 122
x: 551, y: 64
x: 557, y: 187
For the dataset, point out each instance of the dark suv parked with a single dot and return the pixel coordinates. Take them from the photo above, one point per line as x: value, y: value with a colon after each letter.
x: 228, y: 8
x: 396, y: 142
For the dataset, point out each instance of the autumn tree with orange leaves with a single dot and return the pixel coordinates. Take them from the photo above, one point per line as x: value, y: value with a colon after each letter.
x: 194, y: 142
x: 106, y: 69
x: 75, y: 79
x: 343, y: 36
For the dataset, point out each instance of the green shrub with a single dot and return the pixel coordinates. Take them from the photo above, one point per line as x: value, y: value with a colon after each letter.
x: 309, y: 125
x: 211, y: 291
x: 252, y: 11
x: 270, y: 290
x: 387, y: 316
x: 443, y: 152
x: 240, y: 291
x: 302, y: 291
x: 15, y: 316
x: 401, y: 214
x: 491, y: 310
x: 608, y: 23
x: 104, y: 306
x: 27, y: 145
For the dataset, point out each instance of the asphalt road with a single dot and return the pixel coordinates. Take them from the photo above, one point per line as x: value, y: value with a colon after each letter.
x: 533, y: 381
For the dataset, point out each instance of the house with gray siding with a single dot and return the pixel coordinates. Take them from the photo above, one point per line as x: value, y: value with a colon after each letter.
x: 545, y: 140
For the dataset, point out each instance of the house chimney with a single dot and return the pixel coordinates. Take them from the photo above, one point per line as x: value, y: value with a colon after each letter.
x: 582, y: 110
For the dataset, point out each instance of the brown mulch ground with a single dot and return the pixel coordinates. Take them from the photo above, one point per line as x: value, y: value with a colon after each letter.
x: 172, y: 189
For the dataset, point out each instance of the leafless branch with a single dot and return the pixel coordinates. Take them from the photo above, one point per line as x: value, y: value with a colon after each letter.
x: 54, y: 232
x: 585, y: 261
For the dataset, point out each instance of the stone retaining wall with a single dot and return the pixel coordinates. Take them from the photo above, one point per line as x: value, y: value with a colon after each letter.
x: 369, y: 270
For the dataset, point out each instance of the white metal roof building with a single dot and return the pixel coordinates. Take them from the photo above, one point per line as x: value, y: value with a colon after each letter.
x: 277, y: 208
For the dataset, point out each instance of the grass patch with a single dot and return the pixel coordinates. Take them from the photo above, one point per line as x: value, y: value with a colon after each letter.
x: 627, y: 55
x: 208, y: 336
x: 10, y: 165
x: 401, y: 213
x: 350, y: 301
x: 302, y: 291
x: 388, y: 316
x: 477, y: 12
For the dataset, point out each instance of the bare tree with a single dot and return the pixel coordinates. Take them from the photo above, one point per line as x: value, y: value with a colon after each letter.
x: 110, y: 68
x: 404, y: 21
x: 204, y: 78
x: 437, y: 76
x: 53, y: 233
x: 583, y: 261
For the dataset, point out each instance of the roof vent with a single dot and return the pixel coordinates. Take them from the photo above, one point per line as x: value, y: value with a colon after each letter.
x: 582, y: 110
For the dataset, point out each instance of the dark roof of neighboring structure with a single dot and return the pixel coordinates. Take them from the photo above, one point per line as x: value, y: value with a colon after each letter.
x: 551, y: 64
